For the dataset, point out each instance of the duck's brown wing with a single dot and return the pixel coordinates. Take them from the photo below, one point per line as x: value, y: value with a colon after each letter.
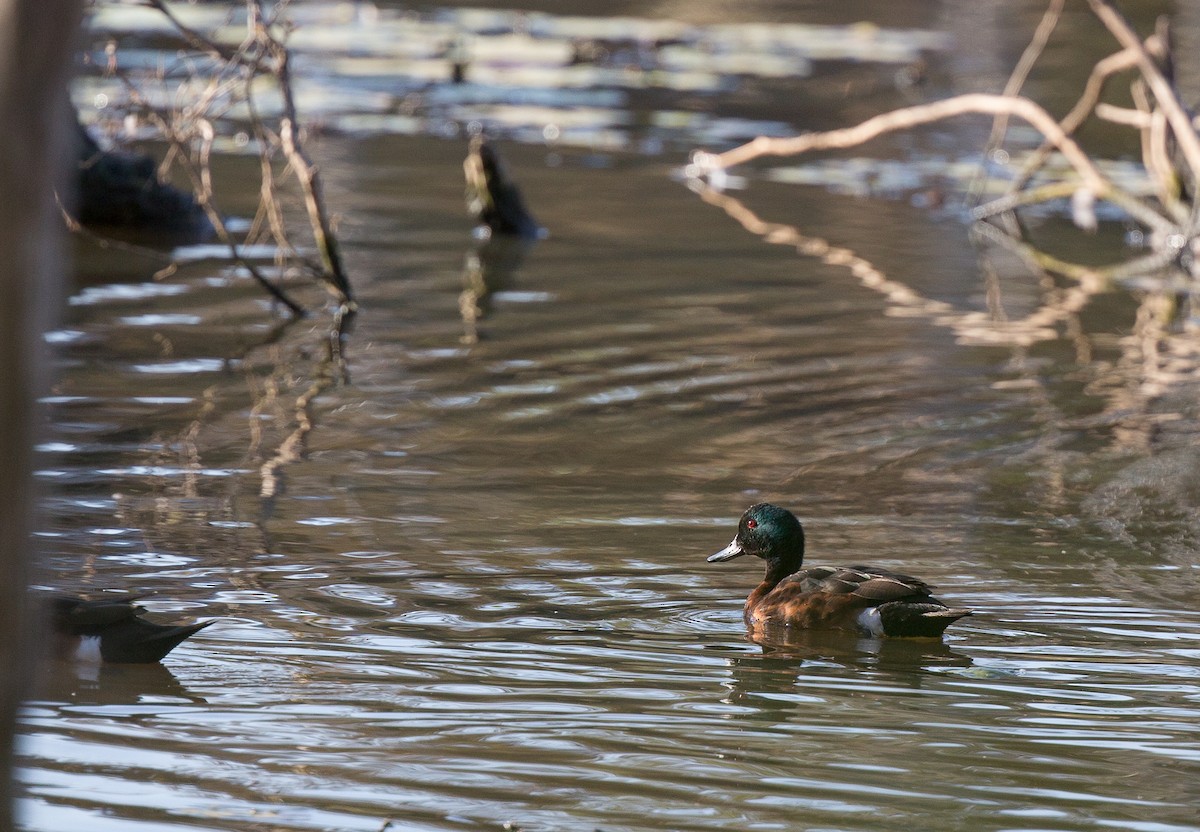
x: 839, y: 597
x: 870, y: 583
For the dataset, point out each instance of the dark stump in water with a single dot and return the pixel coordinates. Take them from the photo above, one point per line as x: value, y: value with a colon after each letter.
x: 493, y: 197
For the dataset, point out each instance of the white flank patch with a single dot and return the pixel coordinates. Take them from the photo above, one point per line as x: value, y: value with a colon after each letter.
x: 88, y: 650
x: 869, y: 621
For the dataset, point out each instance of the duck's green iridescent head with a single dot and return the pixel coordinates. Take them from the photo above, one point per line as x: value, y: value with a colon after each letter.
x: 766, y: 531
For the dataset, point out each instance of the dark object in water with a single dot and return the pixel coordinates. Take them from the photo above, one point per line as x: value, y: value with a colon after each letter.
x: 111, y: 630
x: 121, y: 190
x: 459, y: 56
x: 492, y: 196
x: 620, y: 53
x: 864, y: 599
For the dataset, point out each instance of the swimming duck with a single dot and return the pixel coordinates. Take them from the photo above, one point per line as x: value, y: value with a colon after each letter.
x: 867, y: 599
x: 111, y: 630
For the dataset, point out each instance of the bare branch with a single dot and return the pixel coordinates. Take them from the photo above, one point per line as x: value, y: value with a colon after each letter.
x: 1101, y: 72
x: 199, y: 173
x: 307, y: 173
x: 1024, y: 66
x: 1164, y: 94
x: 910, y: 117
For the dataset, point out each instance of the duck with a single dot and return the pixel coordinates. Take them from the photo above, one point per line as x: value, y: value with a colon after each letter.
x: 869, y: 600
x: 111, y: 630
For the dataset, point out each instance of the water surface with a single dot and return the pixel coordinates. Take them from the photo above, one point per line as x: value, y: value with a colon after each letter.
x: 462, y: 584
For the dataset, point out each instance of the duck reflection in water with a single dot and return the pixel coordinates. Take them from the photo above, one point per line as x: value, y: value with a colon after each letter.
x: 82, y: 683
x: 779, y: 667
x: 851, y: 650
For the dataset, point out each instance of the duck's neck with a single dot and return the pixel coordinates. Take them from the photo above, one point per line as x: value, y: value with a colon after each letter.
x: 777, y: 570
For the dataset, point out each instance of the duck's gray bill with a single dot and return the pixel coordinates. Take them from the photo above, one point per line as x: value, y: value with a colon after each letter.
x: 733, y: 550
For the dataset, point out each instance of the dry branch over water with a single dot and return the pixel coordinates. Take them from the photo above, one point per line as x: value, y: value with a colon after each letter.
x: 233, y: 89
x: 1161, y: 352
x: 1170, y: 215
x: 215, y: 81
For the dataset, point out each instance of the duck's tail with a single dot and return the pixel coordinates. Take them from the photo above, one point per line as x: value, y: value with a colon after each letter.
x: 138, y: 641
x: 907, y: 619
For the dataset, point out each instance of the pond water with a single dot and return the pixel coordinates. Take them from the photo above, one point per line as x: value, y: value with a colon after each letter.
x: 460, y: 579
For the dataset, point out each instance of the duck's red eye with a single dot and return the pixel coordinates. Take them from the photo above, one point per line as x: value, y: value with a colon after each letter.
x: 751, y: 523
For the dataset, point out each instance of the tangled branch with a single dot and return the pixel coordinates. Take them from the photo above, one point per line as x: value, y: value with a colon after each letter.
x: 231, y: 73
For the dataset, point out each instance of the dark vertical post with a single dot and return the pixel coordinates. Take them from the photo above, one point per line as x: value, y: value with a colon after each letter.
x: 36, y: 40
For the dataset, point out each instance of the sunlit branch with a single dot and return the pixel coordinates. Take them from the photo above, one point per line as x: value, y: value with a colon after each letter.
x: 306, y: 172
x: 910, y: 117
x: 1020, y: 73
x: 1164, y: 94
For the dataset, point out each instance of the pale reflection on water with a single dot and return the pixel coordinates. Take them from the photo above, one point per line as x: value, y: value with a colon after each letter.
x: 479, y: 596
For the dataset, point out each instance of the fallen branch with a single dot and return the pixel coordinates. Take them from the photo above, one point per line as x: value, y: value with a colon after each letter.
x: 909, y: 117
x: 1159, y: 116
x: 1173, y: 223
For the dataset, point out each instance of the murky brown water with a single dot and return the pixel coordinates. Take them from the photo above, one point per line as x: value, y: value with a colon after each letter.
x: 481, y: 598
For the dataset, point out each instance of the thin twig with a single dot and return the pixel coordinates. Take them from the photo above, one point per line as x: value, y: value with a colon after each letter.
x: 270, y: 207
x: 1123, y: 116
x: 1012, y: 88
x: 1029, y: 196
x: 193, y: 38
x: 1155, y: 158
x: 1016, y: 81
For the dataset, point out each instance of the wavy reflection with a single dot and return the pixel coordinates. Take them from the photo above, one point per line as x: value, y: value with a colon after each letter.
x: 489, y: 268
x: 788, y: 655
x: 1158, y: 354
